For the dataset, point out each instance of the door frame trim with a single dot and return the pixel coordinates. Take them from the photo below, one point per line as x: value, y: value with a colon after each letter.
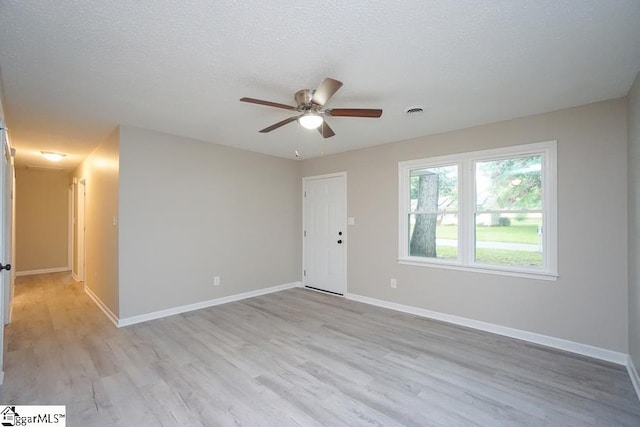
x: 346, y: 232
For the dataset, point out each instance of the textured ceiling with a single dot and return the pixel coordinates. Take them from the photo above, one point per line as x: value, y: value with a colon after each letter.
x: 73, y: 70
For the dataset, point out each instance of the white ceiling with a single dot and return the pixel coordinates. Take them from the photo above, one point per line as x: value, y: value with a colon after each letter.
x: 72, y: 71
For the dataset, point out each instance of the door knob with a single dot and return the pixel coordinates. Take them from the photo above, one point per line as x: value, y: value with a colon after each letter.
x: 5, y: 267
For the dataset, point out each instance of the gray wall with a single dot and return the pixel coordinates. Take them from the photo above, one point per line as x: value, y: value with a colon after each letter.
x: 587, y: 304
x: 634, y: 221
x: 100, y: 170
x: 42, y: 219
x: 190, y: 211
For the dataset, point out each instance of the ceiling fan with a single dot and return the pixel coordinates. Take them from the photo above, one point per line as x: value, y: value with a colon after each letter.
x: 309, y: 104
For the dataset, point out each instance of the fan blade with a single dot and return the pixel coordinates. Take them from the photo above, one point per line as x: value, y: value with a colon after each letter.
x: 325, y: 130
x: 325, y: 91
x: 354, y: 112
x: 281, y: 123
x: 267, y: 103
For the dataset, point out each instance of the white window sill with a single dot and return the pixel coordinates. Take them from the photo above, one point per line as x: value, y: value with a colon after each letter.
x: 500, y: 271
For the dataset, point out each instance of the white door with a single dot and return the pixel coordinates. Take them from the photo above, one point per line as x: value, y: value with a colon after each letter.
x: 6, y: 225
x: 325, y: 233
x: 5, y: 277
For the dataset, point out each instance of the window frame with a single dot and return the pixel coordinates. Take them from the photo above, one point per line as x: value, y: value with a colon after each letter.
x: 466, y: 210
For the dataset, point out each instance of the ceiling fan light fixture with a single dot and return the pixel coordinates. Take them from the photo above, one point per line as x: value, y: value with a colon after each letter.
x: 310, y: 120
x: 310, y: 110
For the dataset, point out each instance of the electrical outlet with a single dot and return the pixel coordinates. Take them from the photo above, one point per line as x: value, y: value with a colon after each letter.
x: 393, y: 283
x: 216, y: 281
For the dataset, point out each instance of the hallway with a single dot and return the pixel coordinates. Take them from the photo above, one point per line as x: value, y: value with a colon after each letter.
x: 55, y: 345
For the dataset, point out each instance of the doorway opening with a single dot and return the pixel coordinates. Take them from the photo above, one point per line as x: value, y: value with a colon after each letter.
x: 79, y: 244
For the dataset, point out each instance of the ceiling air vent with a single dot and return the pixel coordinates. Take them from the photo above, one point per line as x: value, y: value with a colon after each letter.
x: 413, y: 111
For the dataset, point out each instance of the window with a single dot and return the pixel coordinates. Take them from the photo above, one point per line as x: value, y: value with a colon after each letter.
x: 491, y: 211
x: 433, y: 201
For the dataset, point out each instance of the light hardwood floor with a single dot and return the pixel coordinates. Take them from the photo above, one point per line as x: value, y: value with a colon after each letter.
x: 295, y: 357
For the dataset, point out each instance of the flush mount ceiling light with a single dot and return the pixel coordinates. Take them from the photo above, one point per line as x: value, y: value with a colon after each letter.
x: 310, y: 120
x: 52, y: 157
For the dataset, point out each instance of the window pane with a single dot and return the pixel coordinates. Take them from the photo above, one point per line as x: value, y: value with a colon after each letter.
x: 509, y: 184
x: 433, y: 235
x: 434, y: 189
x: 509, y: 239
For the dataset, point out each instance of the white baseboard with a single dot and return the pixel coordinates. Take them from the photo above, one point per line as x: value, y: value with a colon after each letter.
x: 43, y: 271
x: 101, y: 306
x: 559, y: 343
x: 75, y: 277
x: 633, y: 374
x: 204, y: 304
